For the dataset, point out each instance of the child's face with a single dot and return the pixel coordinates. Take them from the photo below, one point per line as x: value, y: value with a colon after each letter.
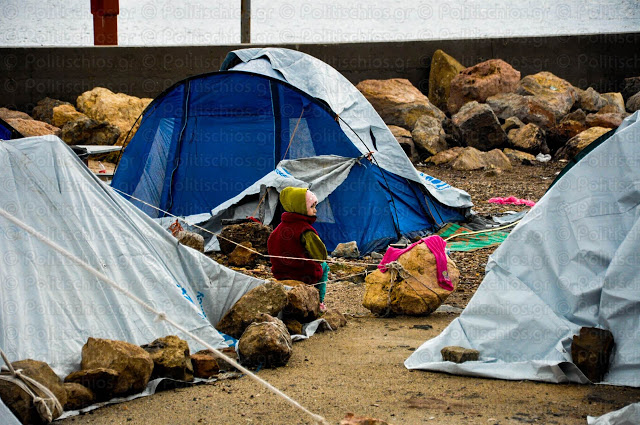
x: 312, y: 210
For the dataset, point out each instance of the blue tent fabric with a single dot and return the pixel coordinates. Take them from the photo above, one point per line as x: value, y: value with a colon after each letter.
x: 210, y: 137
x: 7, y: 132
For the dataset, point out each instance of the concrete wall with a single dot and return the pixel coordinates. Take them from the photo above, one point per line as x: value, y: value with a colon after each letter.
x: 30, y: 74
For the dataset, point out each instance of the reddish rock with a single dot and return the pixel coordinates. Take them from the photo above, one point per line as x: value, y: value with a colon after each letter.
x: 608, y: 120
x: 30, y: 127
x: 205, y: 364
x: 481, y: 81
x: 557, y: 93
x: 303, y: 303
x: 78, y: 396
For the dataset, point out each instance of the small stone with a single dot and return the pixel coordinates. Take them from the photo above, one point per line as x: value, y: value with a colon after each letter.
x: 171, y: 358
x: 459, y: 354
x: 511, y: 123
x: 101, y: 381
x: 346, y: 250
x: 191, y: 239
x: 205, y: 364
x: 351, y: 419
x: 293, y: 326
x: 334, y: 318
x: 78, y: 396
x: 479, y: 127
x: 242, y: 257
x: 633, y: 103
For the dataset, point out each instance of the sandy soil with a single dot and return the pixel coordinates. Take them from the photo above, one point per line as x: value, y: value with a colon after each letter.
x: 360, y: 368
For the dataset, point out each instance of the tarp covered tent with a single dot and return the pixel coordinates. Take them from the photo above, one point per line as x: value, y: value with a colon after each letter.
x: 50, y: 306
x: 209, y: 137
x: 571, y: 262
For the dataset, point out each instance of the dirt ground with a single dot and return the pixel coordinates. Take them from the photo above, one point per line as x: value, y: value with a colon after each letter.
x: 359, y: 368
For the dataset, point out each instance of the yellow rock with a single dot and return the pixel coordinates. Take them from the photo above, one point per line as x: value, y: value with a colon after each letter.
x: 415, y: 291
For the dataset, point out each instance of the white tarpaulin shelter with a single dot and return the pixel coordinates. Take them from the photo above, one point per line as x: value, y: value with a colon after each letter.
x: 50, y: 306
x: 571, y: 262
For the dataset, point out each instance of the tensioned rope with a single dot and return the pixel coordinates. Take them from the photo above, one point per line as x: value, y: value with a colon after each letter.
x: 159, y: 315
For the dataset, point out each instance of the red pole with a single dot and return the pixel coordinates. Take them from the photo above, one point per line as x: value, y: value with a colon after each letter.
x: 105, y: 22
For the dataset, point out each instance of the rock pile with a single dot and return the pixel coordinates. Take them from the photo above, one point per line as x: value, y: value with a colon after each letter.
x: 490, y: 106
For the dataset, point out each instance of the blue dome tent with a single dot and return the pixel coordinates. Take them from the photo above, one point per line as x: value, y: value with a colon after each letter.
x: 209, y: 138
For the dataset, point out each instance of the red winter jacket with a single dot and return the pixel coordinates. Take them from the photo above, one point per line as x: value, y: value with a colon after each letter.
x: 286, y: 241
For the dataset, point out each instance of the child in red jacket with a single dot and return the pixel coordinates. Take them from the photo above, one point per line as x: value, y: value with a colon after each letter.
x: 296, y: 237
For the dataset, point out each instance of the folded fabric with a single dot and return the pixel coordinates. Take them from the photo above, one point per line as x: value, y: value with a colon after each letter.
x: 512, y: 200
x: 437, y: 247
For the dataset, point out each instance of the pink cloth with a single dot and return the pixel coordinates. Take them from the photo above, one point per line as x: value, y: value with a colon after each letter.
x: 436, y: 245
x: 512, y: 200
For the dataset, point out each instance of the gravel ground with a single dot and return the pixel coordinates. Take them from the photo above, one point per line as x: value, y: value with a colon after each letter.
x: 360, y: 367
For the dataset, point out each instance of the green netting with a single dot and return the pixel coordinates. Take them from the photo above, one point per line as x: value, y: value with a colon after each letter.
x: 471, y: 242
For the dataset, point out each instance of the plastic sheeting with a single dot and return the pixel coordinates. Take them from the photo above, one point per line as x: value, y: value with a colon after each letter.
x: 628, y: 415
x: 571, y: 262
x: 360, y: 122
x: 50, y: 306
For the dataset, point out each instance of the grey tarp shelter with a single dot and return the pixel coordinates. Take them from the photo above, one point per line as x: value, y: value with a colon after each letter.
x: 50, y: 306
x: 571, y: 262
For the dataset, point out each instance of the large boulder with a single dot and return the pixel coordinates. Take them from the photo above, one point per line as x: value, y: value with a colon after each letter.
x: 519, y: 157
x: 398, y: 102
x: 133, y: 364
x: 78, y: 396
x: 571, y: 125
x: 529, y: 138
x: 615, y: 100
x: 303, y: 303
x: 447, y: 156
x: 528, y: 109
x: 467, y: 159
x: 253, y: 232
x: 269, y: 298
x: 403, y: 136
x: 171, y: 358
x: 26, y: 125
x: 443, y: 69
x: 589, y: 100
x: 100, y: 381
x: 21, y: 403
x: 265, y: 343
x: 43, y: 111
x: 8, y: 114
x: 631, y: 87
x: 633, y: 103
x: 118, y: 109
x: 79, y: 129
x: 479, y: 127
x: 413, y: 291
x: 481, y: 81
x: 579, y: 142
x: 607, y: 119
x: 428, y: 136
x: 557, y: 93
